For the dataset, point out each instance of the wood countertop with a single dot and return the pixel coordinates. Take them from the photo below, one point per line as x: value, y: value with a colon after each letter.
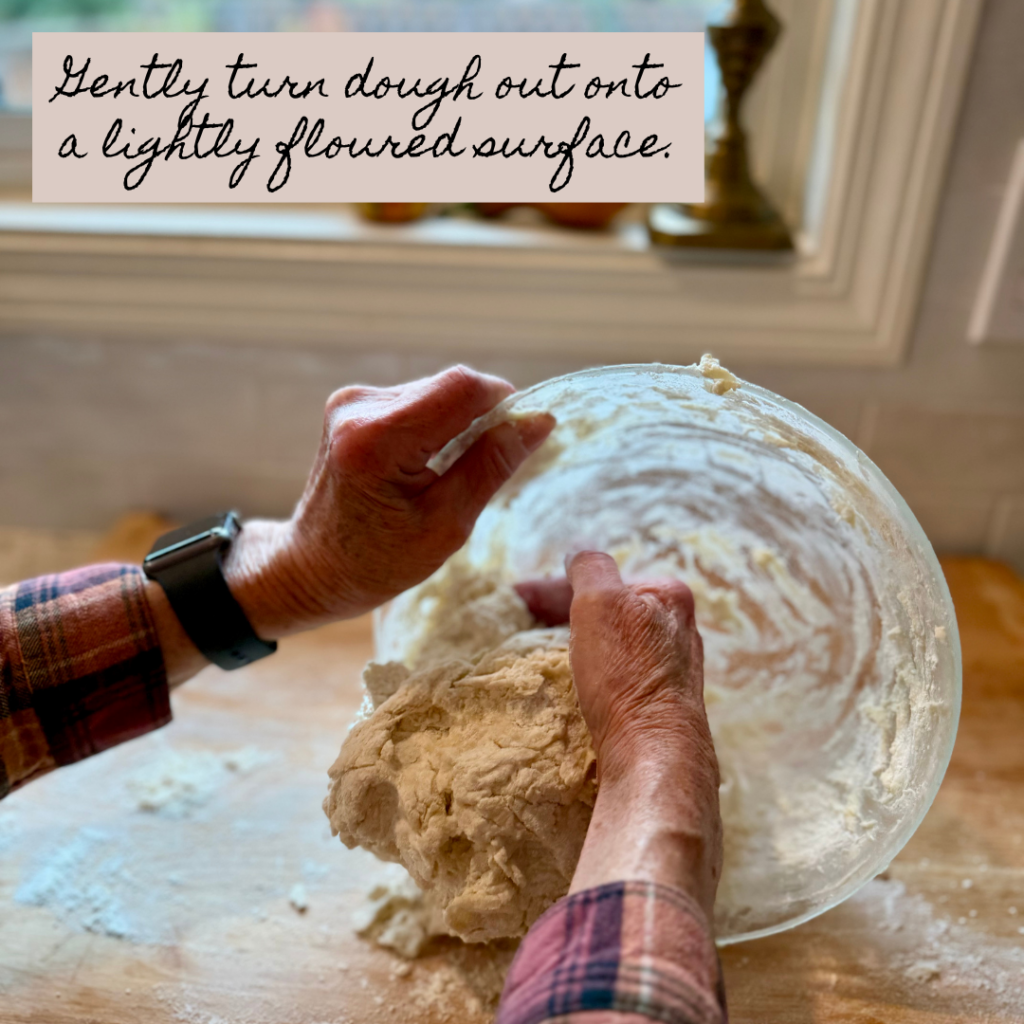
x: 153, y: 883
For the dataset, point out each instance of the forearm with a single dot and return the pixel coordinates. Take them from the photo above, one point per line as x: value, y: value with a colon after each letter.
x: 86, y: 657
x: 649, y: 824
x: 81, y: 669
x: 633, y: 939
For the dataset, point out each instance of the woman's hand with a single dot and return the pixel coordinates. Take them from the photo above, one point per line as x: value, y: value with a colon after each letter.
x: 637, y: 659
x: 373, y: 520
x: 638, y: 664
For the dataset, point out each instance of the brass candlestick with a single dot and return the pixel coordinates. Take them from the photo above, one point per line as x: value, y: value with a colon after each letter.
x: 735, y: 214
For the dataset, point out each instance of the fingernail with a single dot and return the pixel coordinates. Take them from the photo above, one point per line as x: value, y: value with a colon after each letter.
x: 533, y: 430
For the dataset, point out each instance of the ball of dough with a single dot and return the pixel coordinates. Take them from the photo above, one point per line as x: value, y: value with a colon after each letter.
x: 480, y: 779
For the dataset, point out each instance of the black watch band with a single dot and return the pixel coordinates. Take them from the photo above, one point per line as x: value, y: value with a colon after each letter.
x: 187, y: 563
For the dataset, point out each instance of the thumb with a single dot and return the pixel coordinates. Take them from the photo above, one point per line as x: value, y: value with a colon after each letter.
x: 592, y: 572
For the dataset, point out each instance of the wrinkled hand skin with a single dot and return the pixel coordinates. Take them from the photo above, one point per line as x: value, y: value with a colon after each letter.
x: 637, y: 659
x: 638, y: 665
x: 373, y: 519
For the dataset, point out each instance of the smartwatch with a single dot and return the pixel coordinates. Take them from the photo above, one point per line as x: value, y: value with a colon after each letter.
x: 188, y: 564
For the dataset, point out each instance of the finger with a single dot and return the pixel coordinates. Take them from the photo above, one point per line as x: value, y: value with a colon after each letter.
x: 592, y: 572
x: 548, y: 600
x: 465, y: 489
x: 429, y: 413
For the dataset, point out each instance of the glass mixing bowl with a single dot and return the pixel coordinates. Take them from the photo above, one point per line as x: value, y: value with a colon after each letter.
x: 832, y: 658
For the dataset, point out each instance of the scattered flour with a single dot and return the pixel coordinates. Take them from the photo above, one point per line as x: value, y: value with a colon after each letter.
x: 179, y: 782
x: 84, y: 882
x: 149, y: 877
x: 190, y: 1005
x: 924, y: 970
x: 9, y: 831
x: 945, y: 965
x: 402, y: 918
x: 444, y: 995
x: 298, y: 898
x: 484, y: 967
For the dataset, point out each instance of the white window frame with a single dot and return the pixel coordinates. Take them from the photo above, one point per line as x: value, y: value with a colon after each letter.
x: 867, y: 206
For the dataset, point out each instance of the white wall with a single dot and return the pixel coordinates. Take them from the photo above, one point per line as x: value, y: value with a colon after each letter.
x: 92, y: 427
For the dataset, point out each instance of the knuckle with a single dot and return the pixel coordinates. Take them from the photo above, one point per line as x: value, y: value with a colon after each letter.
x: 673, y: 594
x: 355, y: 441
x: 464, y: 383
x: 681, y: 595
x: 354, y: 394
x: 677, y: 590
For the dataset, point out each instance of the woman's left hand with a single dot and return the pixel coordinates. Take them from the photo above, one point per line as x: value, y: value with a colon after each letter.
x: 374, y: 520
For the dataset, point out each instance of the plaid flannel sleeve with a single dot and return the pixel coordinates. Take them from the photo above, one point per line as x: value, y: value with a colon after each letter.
x: 80, y: 669
x: 623, y: 953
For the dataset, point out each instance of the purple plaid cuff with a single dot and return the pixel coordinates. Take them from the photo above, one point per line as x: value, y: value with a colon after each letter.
x: 624, y: 952
x: 80, y: 669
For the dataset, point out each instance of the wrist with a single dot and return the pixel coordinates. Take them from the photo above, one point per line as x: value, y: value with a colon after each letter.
x: 657, y: 741
x: 265, y: 579
x: 658, y: 820
x: 182, y: 659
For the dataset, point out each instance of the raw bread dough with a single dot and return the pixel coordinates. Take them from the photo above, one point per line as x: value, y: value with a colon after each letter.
x: 466, y: 613
x: 719, y: 379
x: 398, y: 915
x: 475, y: 772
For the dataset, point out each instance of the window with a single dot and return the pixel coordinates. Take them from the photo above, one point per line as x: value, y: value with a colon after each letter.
x: 20, y: 18
x: 851, y: 121
x: 782, y: 111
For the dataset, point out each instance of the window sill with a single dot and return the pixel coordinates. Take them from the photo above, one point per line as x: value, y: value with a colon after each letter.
x: 336, y: 225
x: 325, y: 276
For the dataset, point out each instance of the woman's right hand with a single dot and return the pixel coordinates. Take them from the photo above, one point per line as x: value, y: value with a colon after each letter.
x: 638, y: 664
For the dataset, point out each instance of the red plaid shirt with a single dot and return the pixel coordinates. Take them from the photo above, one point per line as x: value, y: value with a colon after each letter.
x: 81, y: 669
x: 623, y: 953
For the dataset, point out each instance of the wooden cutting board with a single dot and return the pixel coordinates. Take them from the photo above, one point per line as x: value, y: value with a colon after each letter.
x: 152, y: 884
